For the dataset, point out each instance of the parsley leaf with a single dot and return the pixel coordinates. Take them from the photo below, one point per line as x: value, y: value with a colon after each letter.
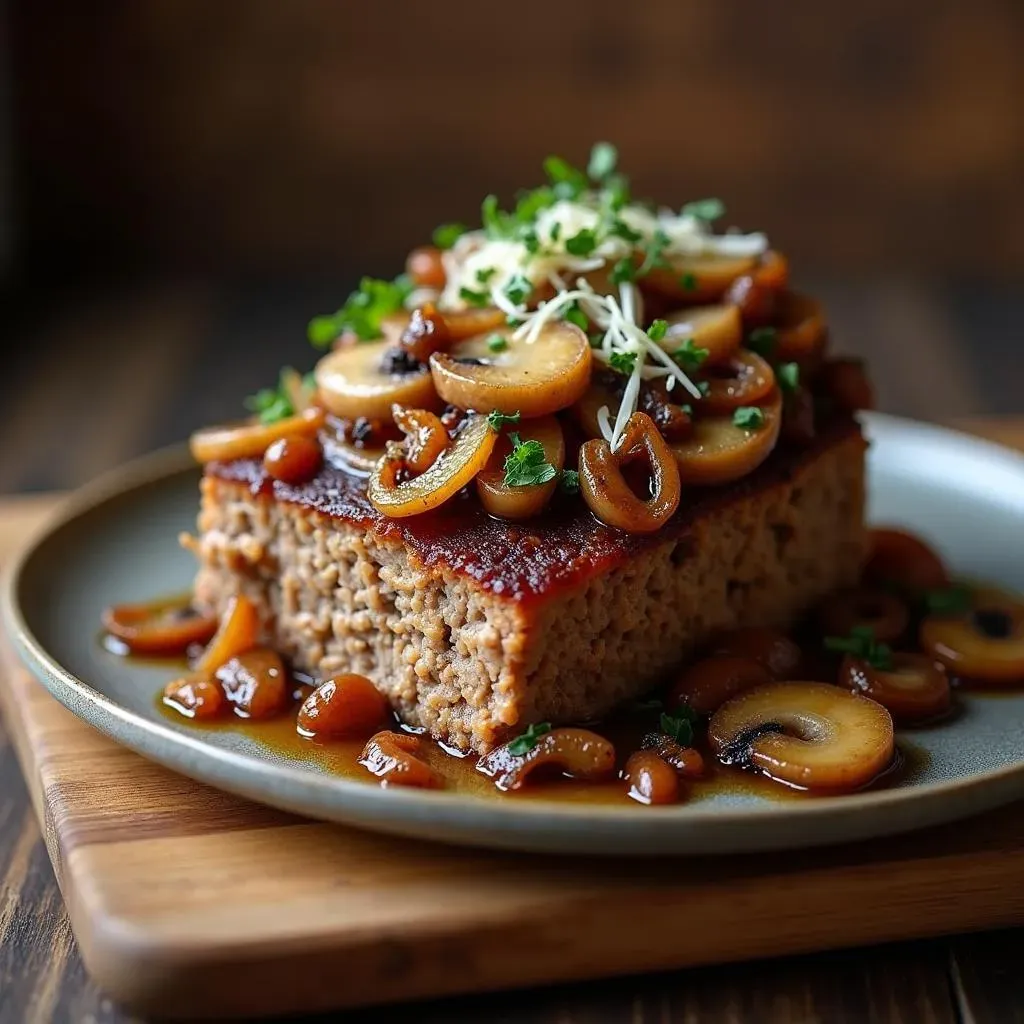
x: 532, y: 202
x: 569, y: 481
x: 654, y: 255
x: 624, y: 362
x: 748, y: 417
x: 583, y: 243
x: 704, y: 387
x: 688, y: 282
x: 526, y: 741
x: 446, y: 235
x: 620, y: 229
x: 527, y: 464
x: 474, y: 298
x: 574, y: 315
x: 603, y: 158
x: 689, y: 356
x: 497, y: 343
x: 518, y: 289
x: 566, y: 180
x: 273, y: 404
x: 705, y: 209
x: 657, y: 330
x: 679, y: 726
x: 484, y: 274
x: 788, y: 375
x: 762, y: 340
x: 623, y: 270
x: 363, y: 311
x: 498, y: 419
x: 496, y: 222
x: 861, y: 644
x: 948, y: 601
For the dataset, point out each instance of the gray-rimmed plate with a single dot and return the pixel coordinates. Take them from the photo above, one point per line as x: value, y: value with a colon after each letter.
x: 117, y: 541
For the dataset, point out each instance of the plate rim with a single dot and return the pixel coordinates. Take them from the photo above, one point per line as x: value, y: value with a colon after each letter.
x: 538, y: 825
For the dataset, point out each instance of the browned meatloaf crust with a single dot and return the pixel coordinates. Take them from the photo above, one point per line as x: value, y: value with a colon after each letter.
x: 475, y: 627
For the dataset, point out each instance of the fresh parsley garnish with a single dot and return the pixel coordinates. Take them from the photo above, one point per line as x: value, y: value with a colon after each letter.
x: 569, y: 481
x: 704, y: 387
x: 657, y: 330
x: 623, y: 270
x: 623, y: 362
x: 576, y: 316
x: 583, y: 243
x: 861, y: 644
x: 484, y: 274
x: 363, y: 312
x: 474, y: 298
x: 678, y: 725
x: 603, y: 158
x: 654, y: 254
x: 705, y: 209
x: 948, y: 601
x: 567, y: 181
x: 620, y: 229
x: 271, y: 404
x: 526, y: 741
x: 748, y: 417
x: 497, y: 343
x: 518, y: 289
x: 446, y: 235
x: 527, y: 464
x: 498, y: 419
x: 688, y: 282
x: 496, y: 222
x: 762, y: 340
x: 788, y: 375
x: 690, y: 357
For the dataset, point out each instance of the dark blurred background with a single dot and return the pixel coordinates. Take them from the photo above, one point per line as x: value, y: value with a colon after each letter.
x: 185, y: 182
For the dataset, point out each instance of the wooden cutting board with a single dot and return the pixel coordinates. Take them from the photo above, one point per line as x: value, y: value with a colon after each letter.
x: 189, y: 902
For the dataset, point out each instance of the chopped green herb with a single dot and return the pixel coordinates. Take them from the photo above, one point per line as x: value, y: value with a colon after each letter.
x: 363, y: 311
x: 497, y: 343
x: 474, y: 298
x: 531, y: 241
x: 556, y: 231
x: 273, y: 404
x: 624, y: 362
x: 705, y: 209
x: 447, y: 235
x: 484, y: 274
x: 948, y: 601
x: 657, y: 330
x: 527, y: 464
x: 748, y: 417
x: 690, y: 357
x: 615, y: 194
x: 620, y: 229
x: 532, y: 202
x: 518, y: 289
x: 566, y: 180
x: 679, y: 725
x: 498, y: 419
x: 583, y: 243
x: 574, y: 315
x: 526, y: 741
x: 603, y: 158
x: 654, y: 254
x: 569, y: 481
x: 688, y: 282
x: 703, y: 387
x: 788, y: 375
x: 496, y: 222
x: 861, y: 643
x: 513, y: 321
x: 623, y: 270
x: 762, y: 340
x: 688, y: 409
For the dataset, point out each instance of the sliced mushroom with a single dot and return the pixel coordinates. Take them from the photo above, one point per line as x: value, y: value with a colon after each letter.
x: 532, y: 378
x: 778, y: 653
x: 718, y: 329
x: 901, y: 561
x: 697, y: 279
x: 158, y: 627
x: 985, y: 644
x: 915, y: 688
x: 466, y: 457
x: 468, y: 323
x: 508, y: 502
x: 367, y: 380
x: 719, y: 452
x: 251, y: 439
x: 863, y: 608
x: 578, y: 753
x: 801, y: 332
x: 744, y: 379
x: 651, y: 780
x: 394, y: 758
x: 808, y: 735
x: 607, y: 492
x: 707, y: 684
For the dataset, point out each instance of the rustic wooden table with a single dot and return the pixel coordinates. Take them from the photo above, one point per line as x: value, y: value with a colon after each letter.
x: 96, y: 379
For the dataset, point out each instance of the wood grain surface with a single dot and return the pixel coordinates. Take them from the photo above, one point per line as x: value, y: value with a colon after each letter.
x: 186, y: 901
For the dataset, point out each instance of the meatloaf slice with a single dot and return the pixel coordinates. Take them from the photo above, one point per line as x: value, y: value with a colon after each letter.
x: 474, y: 628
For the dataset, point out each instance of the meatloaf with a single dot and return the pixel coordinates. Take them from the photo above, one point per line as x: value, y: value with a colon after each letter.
x: 475, y: 627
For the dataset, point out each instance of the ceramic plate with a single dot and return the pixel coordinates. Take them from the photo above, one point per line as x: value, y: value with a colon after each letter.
x: 117, y: 541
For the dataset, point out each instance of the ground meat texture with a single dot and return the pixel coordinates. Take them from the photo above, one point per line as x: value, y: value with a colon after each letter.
x: 474, y: 628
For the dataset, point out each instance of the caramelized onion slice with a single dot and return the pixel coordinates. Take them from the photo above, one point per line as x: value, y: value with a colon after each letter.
x: 466, y: 457
x: 521, y: 502
x: 347, y: 706
x: 532, y: 378
x: 251, y: 440
x: 606, y: 490
x: 718, y: 329
x: 392, y: 757
x: 811, y: 735
x: 355, y: 381
x: 158, y: 627
x: 255, y: 683
x: 426, y: 438
x: 579, y: 753
x: 914, y: 689
x: 194, y: 696
x: 238, y: 632
x: 718, y: 451
x: 696, y: 279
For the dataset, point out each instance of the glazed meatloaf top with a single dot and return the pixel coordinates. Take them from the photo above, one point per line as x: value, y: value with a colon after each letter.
x: 521, y: 562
